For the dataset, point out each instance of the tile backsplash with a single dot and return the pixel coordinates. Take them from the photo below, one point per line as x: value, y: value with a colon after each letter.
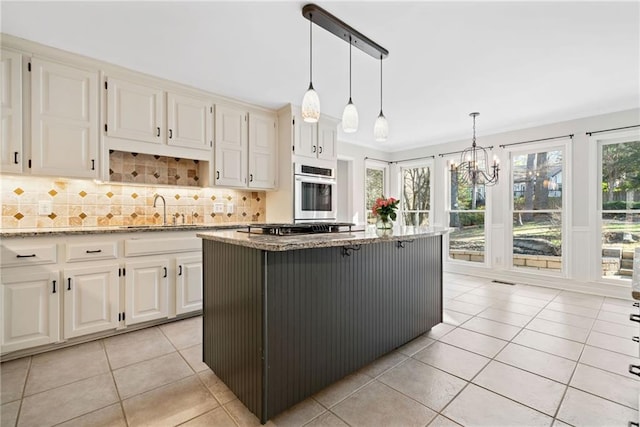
x: 86, y: 203
x: 152, y: 169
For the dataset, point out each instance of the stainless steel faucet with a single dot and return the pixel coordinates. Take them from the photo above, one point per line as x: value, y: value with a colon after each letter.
x: 164, y: 207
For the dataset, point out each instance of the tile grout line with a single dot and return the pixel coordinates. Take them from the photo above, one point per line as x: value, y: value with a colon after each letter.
x: 24, y: 388
x: 113, y: 378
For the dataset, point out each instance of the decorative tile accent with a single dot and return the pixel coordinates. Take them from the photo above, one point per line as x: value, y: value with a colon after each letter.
x: 134, y: 195
x: 18, y: 191
x: 85, y: 203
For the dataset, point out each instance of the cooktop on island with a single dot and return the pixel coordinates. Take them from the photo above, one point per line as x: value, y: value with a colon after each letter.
x: 276, y: 229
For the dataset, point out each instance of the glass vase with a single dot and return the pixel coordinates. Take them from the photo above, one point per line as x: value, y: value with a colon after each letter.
x: 384, y: 226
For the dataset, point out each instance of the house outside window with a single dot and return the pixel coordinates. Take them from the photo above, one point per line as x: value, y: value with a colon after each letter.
x: 537, y: 208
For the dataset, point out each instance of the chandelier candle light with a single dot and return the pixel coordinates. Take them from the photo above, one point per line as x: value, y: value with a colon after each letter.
x: 474, y: 164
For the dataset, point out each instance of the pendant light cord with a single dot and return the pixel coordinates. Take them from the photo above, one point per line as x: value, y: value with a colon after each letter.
x: 350, y: 45
x: 381, y: 84
x: 310, y: 49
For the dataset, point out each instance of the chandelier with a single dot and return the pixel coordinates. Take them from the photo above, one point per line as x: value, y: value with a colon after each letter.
x: 474, y: 166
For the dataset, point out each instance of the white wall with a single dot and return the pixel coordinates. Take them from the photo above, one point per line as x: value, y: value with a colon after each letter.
x: 356, y: 154
x: 582, y: 239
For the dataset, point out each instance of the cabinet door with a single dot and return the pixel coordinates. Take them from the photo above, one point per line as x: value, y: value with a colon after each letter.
x: 64, y: 120
x: 91, y: 297
x: 188, y: 284
x: 11, y: 152
x: 231, y: 146
x: 146, y: 286
x: 30, y: 309
x: 306, y: 138
x: 134, y: 111
x: 189, y: 122
x: 262, y: 151
x: 327, y: 147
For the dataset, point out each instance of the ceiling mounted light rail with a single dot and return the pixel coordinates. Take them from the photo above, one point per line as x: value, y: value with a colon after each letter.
x: 311, y: 102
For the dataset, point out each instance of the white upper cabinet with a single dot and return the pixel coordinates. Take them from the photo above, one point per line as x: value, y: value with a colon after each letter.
x: 170, y: 121
x: 11, y: 150
x: 64, y: 120
x: 306, y: 138
x: 134, y: 111
x: 189, y: 122
x: 262, y: 150
x: 316, y: 140
x: 327, y: 140
x: 231, y: 146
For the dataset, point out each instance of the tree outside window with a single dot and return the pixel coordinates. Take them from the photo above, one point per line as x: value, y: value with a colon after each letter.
x: 375, y: 184
x: 416, y: 195
x: 466, y: 218
x: 620, y: 208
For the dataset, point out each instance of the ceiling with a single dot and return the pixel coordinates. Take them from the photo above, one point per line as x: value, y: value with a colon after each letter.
x: 520, y: 64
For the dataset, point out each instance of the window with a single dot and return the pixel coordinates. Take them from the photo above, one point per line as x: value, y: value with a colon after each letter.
x: 537, y: 208
x: 415, y: 203
x: 376, y: 185
x: 466, y: 211
x: 620, y: 206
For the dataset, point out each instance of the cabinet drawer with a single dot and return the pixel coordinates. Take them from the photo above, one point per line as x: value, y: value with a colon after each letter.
x: 91, y: 251
x: 25, y: 255
x: 138, y: 247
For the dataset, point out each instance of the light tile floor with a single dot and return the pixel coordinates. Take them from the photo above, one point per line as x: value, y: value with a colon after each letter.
x: 505, y: 356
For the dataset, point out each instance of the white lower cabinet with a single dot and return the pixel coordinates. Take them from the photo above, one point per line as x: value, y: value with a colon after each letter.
x: 52, y: 291
x: 91, y: 299
x: 30, y: 304
x: 146, y: 289
x: 188, y: 284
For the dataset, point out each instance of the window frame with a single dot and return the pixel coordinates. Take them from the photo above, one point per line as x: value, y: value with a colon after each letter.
x: 375, y: 165
x: 428, y: 163
x: 596, y: 211
x: 563, y: 144
x: 447, y: 161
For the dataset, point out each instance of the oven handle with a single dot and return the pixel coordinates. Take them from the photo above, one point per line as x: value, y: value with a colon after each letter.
x: 315, y: 180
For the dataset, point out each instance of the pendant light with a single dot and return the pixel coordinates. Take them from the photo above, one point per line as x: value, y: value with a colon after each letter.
x: 381, y: 127
x: 350, y: 113
x: 311, y: 101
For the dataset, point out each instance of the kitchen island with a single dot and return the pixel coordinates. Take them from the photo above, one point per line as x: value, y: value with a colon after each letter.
x: 286, y: 316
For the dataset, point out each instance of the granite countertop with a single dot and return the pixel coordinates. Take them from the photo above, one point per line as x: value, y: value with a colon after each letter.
x: 64, y: 231
x: 307, y: 241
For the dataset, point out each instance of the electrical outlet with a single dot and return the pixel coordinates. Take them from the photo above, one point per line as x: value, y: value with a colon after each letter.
x: 218, y: 208
x: 230, y: 208
x: 45, y: 207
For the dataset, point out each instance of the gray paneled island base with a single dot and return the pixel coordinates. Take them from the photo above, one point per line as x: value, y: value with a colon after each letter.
x: 285, y: 317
